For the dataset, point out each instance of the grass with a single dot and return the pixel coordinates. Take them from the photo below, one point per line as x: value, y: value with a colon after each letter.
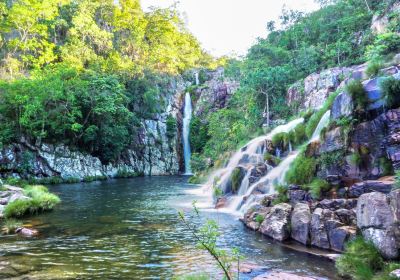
x: 391, y: 92
x: 298, y: 135
x: 358, y: 94
x: 282, y: 195
x: 10, y: 225
x: 124, y: 173
x: 281, y: 140
x: 259, y: 218
x: 88, y: 179
x: 271, y: 160
x: 40, y: 200
x: 373, y: 68
x: 318, y: 186
x: 302, y: 170
x: 360, y: 261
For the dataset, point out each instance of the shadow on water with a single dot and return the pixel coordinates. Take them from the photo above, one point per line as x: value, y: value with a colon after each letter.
x: 129, y: 229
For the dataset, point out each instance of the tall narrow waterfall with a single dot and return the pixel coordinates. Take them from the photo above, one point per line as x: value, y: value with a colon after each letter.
x: 187, y: 116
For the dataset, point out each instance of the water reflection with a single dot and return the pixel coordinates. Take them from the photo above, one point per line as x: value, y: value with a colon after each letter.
x: 129, y: 229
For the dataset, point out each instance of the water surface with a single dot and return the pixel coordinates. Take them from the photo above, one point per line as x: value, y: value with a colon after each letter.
x: 129, y: 229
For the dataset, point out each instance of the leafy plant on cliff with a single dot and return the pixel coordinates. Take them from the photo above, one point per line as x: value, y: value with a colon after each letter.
x: 359, y: 96
x: 360, y: 261
x: 391, y: 92
x: 331, y: 159
x: 302, y: 170
x: 373, y: 68
x: 316, y: 187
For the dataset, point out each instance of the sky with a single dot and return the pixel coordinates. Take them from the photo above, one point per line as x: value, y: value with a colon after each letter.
x: 230, y: 27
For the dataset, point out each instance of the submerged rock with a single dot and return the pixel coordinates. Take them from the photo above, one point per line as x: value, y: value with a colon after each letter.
x: 26, y: 232
x: 281, y: 276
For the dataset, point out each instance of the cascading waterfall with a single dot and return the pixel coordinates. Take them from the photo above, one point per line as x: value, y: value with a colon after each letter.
x: 187, y: 116
x: 196, y: 77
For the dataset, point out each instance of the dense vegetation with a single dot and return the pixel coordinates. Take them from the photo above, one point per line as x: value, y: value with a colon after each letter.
x: 85, y: 73
x: 338, y: 34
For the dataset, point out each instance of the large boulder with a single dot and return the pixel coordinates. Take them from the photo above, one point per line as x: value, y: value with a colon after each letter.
x: 342, y: 106
x: 333, y: 141
x: 377, y: 219
x: 335, y: 204
x: 338, y: 236
x: 251, y: 216
x: 374, y: 93
x: 277, y: 222
x: 300, y: 223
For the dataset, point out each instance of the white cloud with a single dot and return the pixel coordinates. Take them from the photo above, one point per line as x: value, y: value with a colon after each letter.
x: 230, y: 26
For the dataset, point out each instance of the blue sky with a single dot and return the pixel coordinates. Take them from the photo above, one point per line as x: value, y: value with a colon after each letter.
x: 226, y: 27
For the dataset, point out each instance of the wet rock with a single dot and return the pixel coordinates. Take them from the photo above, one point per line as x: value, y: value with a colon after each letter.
x: 268, y: 199
x: 221, y: 202
x: 395, y: 274
x: 257, y: 172
x: 338, y: 236
x: 250, y: 218
x: 374, y: 94
x: 300, y: 223
x: 346, y: 216
x: 342, y: 106
x: 17, y: 196
x: 276, y: 222
x: 26, y: 232
x: 333, y: 141
x: 297, y: 195
x: 368, y: 186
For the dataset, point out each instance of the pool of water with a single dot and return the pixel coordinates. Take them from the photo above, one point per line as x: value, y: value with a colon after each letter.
x: 130, y: 229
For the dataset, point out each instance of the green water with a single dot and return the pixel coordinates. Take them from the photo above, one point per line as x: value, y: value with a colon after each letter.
x: 129, y: 229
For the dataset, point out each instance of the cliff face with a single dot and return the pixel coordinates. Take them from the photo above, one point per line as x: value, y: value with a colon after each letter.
x: 154, y: 151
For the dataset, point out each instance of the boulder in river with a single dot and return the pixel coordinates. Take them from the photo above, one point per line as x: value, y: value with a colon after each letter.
x: 300, y: 223
x: 277, y: 222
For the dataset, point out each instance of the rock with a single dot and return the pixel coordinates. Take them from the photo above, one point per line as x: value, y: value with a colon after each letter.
x: 373, y: 210
x: 381, y: 22
x: 342, y: 106
x: 276, y: 222
x: 300, y: 223
x: 395, y: 274
x: 221, y: 202
x: 268, y: 199
x: 338, y: 236
x: 377, y: 222
x: 17, y: 196
x: 257, y: 172
x: 2, y: 211
x: 335, y: 204
x: 319, y: 231
x: 297, y: 195
x: 250, y: 267
x: 281, y: 276
x: 346, y: 216
x: 27, y: 232
x: 374, y: 93
x: 250, y: 218
x: 333, y: 141
x: 394, y: 198
x: 368, y: 186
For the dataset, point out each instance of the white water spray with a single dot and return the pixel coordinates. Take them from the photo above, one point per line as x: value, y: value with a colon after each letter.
x: 187, y: 116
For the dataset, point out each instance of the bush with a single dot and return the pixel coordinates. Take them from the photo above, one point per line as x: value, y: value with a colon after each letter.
x: 360, y: 260
x: 391, y: 92
x: 198, y: 162
x: 317, y: 186
x: 10, y: 225
x: 302, y: 170
x: 358, y: 94
x: 373, y: 68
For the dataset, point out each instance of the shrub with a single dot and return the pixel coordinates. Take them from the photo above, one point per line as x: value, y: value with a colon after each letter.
x: 217, y: 192
x: 358, y: 94
x: 391, y: 92
x: 10, y: 225
x: 124, y: 173
x: 373, y: 68
x: 198, y: 162
x: 384, y: 44
x: 259, y: 218
x: 302, y: 170
x: 317, y: 186
x: 360, y: 260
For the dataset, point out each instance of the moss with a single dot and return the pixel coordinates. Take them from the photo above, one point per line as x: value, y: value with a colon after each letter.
x: 302, y: 170
x: 298, y: 135
x: 236, y: 179
x: 259, y: 218
x: 391, y: 92
x: 271, y: 160
x: 360, y: 261
x: 281, y: 140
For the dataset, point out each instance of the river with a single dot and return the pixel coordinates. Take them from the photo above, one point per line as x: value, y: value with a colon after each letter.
x: 129, y: 229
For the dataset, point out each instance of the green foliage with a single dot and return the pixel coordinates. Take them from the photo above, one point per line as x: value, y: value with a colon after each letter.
x: 302, y: 170
x: 171, y: 126
x: 18, y: 208
x: 358, y: 94
x: 298, y: 134
x: 386, y: 166
x: 356, y: 159
x: 281, y: 140
x: 384, y: 274
x: 271, y: 160
x: 259, y: 219
x: 384, y: 44
x: 198, y: 134
x: 124, y: 173
x: 236, y: 179
x: 317, y: 186
x: 360, y: 260
x: 282, y: 195
x: 373, y: 68
x: 391, y: 92
x: 10, y: 225
x: 206, y: 237
x: 330, y: 159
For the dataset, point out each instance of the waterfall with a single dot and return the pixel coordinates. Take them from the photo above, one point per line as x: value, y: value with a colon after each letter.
x: 187, y: 115
x: 323, y: 122
x: 196, y: 77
